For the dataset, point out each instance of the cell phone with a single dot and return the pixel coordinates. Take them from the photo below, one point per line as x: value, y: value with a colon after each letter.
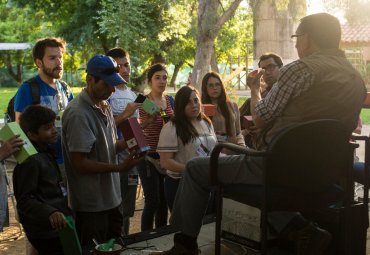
x: 140, y: 99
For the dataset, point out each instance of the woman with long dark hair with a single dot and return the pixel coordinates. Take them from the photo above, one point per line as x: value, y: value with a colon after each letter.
x: 226, y: 121
x: 187, y: 135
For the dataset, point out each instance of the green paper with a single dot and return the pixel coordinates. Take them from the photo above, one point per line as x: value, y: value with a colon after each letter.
x: 11, y: 129
x: 150, y: 107
x: 68, y: 237
x: 108, y: 246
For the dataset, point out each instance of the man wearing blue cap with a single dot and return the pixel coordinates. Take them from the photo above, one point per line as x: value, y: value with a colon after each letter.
x: 90, y: 148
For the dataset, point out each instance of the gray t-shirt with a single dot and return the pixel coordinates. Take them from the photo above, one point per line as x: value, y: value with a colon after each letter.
x: 87, y: 129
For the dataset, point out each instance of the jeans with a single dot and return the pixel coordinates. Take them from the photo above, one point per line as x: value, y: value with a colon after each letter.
x: 170, y: 189
x: 191, y: 203
x: 155, y: 206
x: 3, y: 197
x: 359, y: 172
x: 128, y: 193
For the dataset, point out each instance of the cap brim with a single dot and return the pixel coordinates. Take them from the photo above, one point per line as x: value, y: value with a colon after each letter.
x: 114, y: 79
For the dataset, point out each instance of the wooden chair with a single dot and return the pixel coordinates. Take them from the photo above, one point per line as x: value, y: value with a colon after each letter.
x: 308, y: 167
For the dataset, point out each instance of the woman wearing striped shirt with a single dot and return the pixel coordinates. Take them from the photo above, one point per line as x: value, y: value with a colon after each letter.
x: 155, y: 207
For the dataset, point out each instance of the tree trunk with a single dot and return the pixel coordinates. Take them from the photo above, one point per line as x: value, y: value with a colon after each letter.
x: 209, y: 25
x: 16, y: 76
x: 174, y: 75
x: 214, y: 66
x: 272, y: 29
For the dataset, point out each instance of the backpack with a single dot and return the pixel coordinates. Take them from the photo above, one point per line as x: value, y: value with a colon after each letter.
x: 35, y: 93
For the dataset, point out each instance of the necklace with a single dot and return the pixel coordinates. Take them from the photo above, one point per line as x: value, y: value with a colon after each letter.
x: 161, y: 103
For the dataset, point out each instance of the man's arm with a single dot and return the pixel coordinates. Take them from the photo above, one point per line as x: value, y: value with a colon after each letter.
x: 253, y: 83
x: 128, y: 112
x: 120, y: 145
x: 295, y: 78
x: 17, y: 116
x: 84, y: 165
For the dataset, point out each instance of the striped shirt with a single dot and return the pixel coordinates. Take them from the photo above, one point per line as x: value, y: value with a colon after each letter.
x: 294, y: 79
x: 151, y: 132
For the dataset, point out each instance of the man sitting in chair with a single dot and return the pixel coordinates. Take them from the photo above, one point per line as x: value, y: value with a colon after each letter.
x: 322, y: 84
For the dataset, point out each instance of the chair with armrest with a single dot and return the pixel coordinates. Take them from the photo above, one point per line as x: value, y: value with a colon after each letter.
x: 361, y: 169
x: 308, y: 167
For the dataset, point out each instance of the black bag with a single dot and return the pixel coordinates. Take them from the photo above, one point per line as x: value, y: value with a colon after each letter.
x: 35, y: 92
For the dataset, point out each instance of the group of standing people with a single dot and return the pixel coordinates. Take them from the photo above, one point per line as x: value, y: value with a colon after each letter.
x: 103, y: 176
x: 80, y: 143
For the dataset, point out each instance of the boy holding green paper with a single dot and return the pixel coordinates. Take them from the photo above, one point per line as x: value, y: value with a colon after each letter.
x: 38, y: 187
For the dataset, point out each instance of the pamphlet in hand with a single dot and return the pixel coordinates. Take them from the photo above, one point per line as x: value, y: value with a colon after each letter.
x: 11, y: 129
x: 150, y: 107
x: 133, y: 135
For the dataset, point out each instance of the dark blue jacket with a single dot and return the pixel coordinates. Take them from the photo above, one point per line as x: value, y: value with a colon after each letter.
x: 38, y: 193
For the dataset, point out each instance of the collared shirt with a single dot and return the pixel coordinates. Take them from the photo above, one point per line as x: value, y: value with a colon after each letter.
x: 295, y: 79
x: 91, y: 130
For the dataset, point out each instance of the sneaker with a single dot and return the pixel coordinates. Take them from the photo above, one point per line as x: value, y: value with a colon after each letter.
x: 178, y: 249
x: 312, y: 240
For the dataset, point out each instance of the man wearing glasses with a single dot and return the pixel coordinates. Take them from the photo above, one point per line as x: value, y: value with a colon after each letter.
x: 271, y: 64
x: 321, y: 84
x: 90, y: 148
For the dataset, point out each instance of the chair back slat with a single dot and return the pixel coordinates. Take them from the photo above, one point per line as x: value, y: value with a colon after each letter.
x: 309, y: 157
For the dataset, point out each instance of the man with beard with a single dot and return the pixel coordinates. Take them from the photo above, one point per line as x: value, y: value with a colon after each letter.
x: 54, y: 94
x: 90, y: 147
x: 124, y: 107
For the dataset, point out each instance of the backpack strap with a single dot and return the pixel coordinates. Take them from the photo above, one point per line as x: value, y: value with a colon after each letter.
x: 65, y: 88
x: 35, y: 90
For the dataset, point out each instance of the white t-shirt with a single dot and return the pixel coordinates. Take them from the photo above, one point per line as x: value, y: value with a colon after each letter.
x: 199, y: 147
x: 118, y: 102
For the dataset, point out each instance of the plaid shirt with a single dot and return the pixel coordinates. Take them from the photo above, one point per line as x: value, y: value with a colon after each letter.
x: 294, y: 79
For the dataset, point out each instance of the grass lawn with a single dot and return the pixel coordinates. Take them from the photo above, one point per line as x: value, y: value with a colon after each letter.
x: 7, y: 93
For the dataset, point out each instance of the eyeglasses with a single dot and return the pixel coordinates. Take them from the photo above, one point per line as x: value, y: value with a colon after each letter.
x: 294, y: 37
x: 213, y: 85
x: 269, y: 68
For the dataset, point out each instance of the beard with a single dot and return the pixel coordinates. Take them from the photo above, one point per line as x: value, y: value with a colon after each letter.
x: 54, y: 73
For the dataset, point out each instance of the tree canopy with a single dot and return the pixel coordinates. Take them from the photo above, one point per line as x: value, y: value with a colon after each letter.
x: 151, y: 30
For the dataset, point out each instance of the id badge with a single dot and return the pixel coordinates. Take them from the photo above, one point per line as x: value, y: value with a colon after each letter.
x: 202, y: 151
x: 58, y: 120
x: 63, y: 189
x: 133, y: 179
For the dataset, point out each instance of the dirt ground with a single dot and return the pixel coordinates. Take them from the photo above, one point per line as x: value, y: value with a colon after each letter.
x: 12, y: 240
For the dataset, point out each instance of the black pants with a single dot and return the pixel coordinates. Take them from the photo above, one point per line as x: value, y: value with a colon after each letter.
x: 99, y: 225
x: 51, y: 246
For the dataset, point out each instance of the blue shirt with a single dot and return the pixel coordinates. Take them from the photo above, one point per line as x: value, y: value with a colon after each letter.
x: 48, y: 98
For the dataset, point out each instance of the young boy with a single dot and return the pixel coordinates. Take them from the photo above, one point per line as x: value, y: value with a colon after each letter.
x: 38, y: 187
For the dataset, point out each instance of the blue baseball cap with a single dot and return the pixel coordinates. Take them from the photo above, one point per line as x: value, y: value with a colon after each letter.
x: 105, y: 68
